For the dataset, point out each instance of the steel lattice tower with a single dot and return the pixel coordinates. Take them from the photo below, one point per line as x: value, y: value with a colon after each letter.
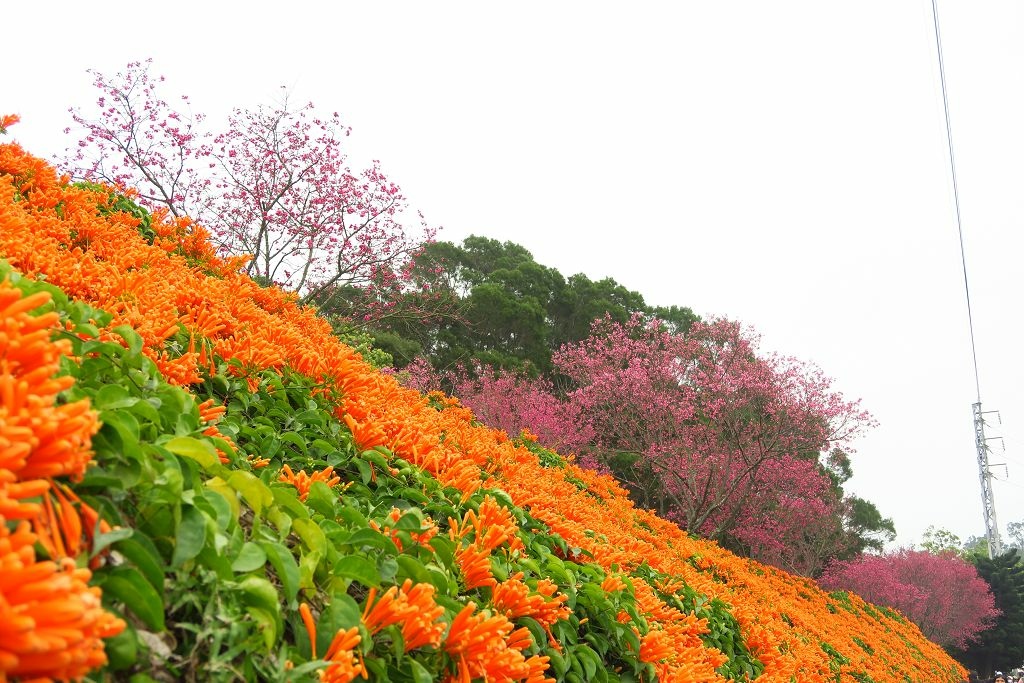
x: 995, y: 546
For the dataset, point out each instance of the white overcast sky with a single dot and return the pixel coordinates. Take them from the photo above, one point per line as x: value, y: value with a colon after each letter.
x: 781, y: 163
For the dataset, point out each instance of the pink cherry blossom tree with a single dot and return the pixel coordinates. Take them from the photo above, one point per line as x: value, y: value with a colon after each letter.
x: 940, y: 592
x: 274, y: 184
x: 699, y: 426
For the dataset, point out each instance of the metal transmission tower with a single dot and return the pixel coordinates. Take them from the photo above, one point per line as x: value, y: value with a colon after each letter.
x: 995, y: 546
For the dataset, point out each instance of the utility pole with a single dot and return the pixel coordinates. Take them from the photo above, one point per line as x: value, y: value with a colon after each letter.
x: 988, y: 503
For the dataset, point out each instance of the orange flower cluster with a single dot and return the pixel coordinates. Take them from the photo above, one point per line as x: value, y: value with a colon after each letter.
x: 51, y: 621
x: 413, y: 607
x: 8, y: 120
x: 302, y: 481
x: 514, y: 599
x: 101, y: 260
x: 345, y: 662
x: 489, y: 529
x: 612, y: 584
x: 490, y: 647
x: 422, y: 537
x: 211, y: 414
x: 39, y: 439
x: 61, y: 526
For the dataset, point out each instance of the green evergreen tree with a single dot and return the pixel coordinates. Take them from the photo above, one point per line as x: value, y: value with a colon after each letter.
x: 1001, y: 647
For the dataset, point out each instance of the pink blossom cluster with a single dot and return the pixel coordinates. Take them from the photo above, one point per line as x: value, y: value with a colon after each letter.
x: 940, y: 592
x: 698, y: 426
x: 274, y: 184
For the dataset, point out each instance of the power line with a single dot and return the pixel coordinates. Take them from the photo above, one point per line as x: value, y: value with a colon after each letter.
x: 956, y: 193
x: 980, y: 441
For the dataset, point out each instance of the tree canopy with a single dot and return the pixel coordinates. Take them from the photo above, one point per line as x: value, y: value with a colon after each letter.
x: 940, y: 592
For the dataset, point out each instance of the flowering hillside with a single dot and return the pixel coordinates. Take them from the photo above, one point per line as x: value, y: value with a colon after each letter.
x: 251, y: 501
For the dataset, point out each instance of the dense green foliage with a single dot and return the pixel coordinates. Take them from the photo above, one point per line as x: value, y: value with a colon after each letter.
x: 498, y: 307
x: 1001, y: 647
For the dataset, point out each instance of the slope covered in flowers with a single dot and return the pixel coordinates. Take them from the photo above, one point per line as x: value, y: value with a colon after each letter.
x: 262, y: 505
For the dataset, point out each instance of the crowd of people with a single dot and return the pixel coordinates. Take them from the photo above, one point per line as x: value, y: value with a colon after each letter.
x: 1015, y: 676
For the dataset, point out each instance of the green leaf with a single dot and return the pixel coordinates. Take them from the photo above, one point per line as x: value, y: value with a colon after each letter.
x: 588, y: 659
x: 440, y: 580
x: 310, y: 533
x: 141, y: 552
x: 131, y: 337
x: 628, y: 635
x: 103, y: 540
x: 359, y: 568
x: 365, y: 471
x: 221, y: 488
x: 266, y: 624
x: 412, y: 520
x: 122, y: 650
x: 294, y: 439
x: 87, y: 329
x: 376, y: 457
x: 96, y: 480
x: 536, y: 629
x: 287, y: 499
x: 322, y: 499
x: 444, y: 548
x: 255, y: 492
x: 325, y: 446
x: 285, y: 565
x: 414, y: 495
x: 419, y: 672
x: 308, y: 564
x: 220, y: 506
x: 126, y: 427
x: 258, y: 592
x: 341, y: 613
x: 113, y: 397
x: 411, y: 568
x: 191, y: 535
x: 374, y: 539
x: 130, y: 588
x: 200, y: 451
x: 250, y: 558
x: 557, y: 661
x: 387, y: 568
x: 353, y: 516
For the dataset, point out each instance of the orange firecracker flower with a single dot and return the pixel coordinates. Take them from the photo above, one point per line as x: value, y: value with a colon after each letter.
x: 488, y: 647
x: 38, y: 438
x: 345, y: 662
x: 302, y: 481
x: 514, y: 599
x: 413, y: 607
x: 8, y: 120
x: 51, y: 621
x: 366, y: 434
x: 475, y: 564
x: 612, y: 583
x: 655, y: 646
x: 428, y: 529
x: 210, y: 414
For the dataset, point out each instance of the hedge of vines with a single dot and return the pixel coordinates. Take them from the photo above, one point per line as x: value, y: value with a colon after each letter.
x: 199, y: 482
